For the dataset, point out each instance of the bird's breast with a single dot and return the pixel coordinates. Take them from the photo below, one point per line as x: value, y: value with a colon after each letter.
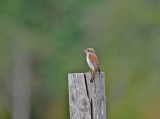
x: 89, y: 63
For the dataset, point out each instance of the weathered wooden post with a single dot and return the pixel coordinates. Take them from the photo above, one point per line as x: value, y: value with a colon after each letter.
x: 87, y: 100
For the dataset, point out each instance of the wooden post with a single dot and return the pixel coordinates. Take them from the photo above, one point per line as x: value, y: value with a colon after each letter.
x: 87, y: 100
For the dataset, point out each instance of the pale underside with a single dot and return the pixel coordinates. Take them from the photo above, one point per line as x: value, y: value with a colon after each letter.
x: 89, y: 62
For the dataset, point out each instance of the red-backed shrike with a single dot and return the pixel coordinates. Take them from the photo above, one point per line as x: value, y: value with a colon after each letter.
x: 92, y: 61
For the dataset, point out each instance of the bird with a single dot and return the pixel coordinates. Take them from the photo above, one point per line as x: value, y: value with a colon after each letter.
x: 92, y: 61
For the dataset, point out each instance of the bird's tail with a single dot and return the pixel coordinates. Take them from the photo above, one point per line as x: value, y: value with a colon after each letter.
x: 99, y: 70
x: 93, y: 74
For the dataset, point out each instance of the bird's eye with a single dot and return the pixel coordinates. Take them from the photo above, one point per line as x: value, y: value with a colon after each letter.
x: 88, y: 50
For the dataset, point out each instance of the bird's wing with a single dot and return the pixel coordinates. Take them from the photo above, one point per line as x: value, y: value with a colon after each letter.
x: 94, y: 60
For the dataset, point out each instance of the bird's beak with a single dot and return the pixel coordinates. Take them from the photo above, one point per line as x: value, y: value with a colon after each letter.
x: 84, y: 50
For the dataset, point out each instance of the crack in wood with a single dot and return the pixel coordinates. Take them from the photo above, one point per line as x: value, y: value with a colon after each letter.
x: 91, y: 109
x: 90, y: 99
x: 85, y: 79
x: 87, y: 100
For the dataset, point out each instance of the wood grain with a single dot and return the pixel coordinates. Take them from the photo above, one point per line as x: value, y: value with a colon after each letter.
x: 87, y: 100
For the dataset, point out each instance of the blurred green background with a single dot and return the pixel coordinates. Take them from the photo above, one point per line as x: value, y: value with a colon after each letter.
x: 42, y: 41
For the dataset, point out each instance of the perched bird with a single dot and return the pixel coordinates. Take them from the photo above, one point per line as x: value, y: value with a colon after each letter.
x: 92, y: 61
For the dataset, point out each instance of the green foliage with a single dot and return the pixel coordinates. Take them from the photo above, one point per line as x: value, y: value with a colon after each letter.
x: 124, y: 33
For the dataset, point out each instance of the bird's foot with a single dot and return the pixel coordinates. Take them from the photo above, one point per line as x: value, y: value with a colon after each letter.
x: 91, y: 80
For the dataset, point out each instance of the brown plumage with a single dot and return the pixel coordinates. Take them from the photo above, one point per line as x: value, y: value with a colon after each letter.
x: 92, y: 61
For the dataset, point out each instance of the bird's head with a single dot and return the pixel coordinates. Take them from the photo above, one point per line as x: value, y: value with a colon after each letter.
x: 89, y: 51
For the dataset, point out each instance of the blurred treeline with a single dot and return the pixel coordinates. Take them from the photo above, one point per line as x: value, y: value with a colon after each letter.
x: 42, y: 41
